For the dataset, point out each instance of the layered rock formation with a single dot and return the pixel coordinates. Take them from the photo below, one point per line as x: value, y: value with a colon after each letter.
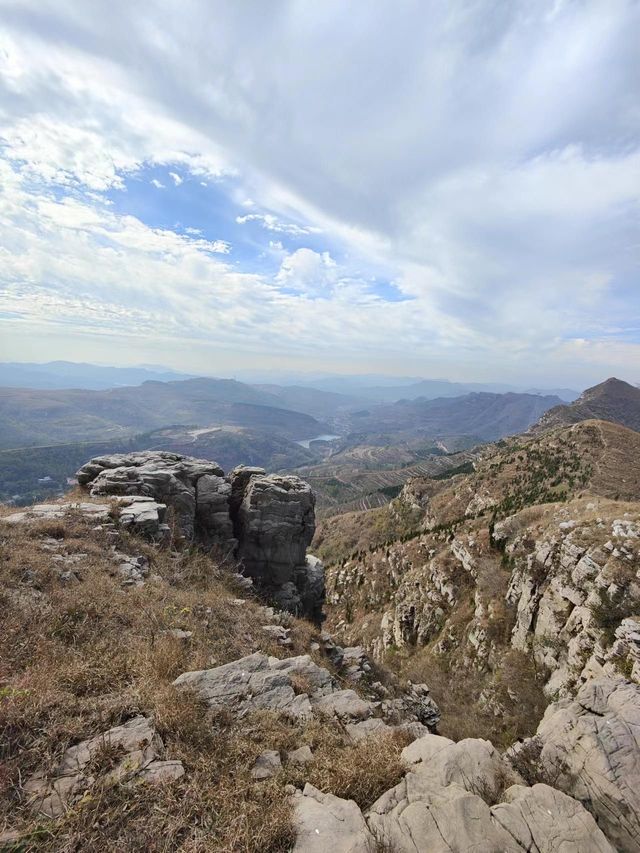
x: 263, y: 521
x: 589, y: 748
x: 456, y: 797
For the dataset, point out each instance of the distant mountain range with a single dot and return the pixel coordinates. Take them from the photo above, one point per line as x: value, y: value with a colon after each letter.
x: 69, y: 374
x: 430, y: 389
x: 40, y: 417
x: 482, y: 416
x: 379, y: 387
x: 612, y: 400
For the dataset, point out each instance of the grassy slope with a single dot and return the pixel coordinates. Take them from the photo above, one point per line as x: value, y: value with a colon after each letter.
x: 78, y: 659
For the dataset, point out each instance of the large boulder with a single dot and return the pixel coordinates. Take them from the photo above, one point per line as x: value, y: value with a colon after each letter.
x: 542, y: 818
x: 275, y: 523
x: 166, y: 477
x: 472, y: 763
x: 421, y: 816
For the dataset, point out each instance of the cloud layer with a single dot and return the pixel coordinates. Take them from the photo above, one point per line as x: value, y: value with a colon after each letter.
x: 439, y: 188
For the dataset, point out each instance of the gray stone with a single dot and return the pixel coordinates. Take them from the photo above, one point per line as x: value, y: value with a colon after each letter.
x: 325, y: 823
x: 543, y: 819
x: 276, y: 523
x: 472, y: 763
x: 264, y: 521
x: 300, y: 756
x: 52, y: 792
x: 366, y: 728
x: 266, y: 765
x: 259, y: 682
x: 213, y: 519
x: 590, y: 749
x: 418, y: 816
x: 344, y: 704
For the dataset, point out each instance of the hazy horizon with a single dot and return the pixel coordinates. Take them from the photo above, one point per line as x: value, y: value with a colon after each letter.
x: 442, y: 190
x: 292, y: 377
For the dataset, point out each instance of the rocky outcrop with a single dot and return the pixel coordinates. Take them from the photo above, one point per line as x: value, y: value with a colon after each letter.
x: 264, y: 521
x: 301, y: 689
x: 590, y: 749
x: 324, y: 822
x: 575, y: 578
x: 127, y: 754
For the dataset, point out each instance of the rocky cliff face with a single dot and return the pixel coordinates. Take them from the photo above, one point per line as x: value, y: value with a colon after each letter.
x: 518, y: 586
x: 265, y: 522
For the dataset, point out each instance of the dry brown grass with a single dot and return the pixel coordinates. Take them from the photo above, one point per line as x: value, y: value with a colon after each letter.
x: 360, y: 772
x: 79, y: 658
x: 516, y: 688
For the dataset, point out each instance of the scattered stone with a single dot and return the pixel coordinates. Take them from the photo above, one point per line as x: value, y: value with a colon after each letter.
x: 266, y: 766
x: 278, y: 633
x: 300, y: 756
x: 367, y: 728
x: 133, y: 751
x: 178, y: 634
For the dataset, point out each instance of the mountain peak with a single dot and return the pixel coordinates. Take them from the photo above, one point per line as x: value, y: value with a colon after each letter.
x: 612, y: 400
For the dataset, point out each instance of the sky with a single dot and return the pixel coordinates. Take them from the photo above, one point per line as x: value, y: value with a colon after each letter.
x: 440, y: 188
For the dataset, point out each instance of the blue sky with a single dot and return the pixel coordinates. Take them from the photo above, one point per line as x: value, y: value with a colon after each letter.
x: 430, y: 188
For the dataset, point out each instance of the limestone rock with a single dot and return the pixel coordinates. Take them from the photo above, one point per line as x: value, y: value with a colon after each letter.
x: 53, y: 512
x: 213, y: 519
x: 472, y: 763
x: 137, y: 748
x: 324, y: 823
x: 264, y: 521
x: 418, y: 816
x: 591, y: 750
x: 300, y: 756
x: 275, y: 524
x: 257, y: 682
x: 344, y: 704
x: 542, y: 818
x: 367, y: 728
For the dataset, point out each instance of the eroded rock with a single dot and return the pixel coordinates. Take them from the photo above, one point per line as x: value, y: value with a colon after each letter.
x: 590, y: 749
x: 324, y: 823
x: 263, y: 521
x: 124, y: 754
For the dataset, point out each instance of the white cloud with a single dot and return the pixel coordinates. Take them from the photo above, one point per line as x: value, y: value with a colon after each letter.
x: 157, y: 184
x: 309, y: 272
x: 271, y: 223
x: 177, y: 180
x: 487, y: 163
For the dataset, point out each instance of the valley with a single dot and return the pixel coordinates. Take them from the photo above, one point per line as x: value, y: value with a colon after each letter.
x: 355, y: 457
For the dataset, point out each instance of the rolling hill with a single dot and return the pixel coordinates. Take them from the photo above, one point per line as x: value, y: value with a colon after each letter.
x: 35, y: 417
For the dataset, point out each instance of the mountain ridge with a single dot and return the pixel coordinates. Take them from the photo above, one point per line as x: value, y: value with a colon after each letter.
x: 612, y: 400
